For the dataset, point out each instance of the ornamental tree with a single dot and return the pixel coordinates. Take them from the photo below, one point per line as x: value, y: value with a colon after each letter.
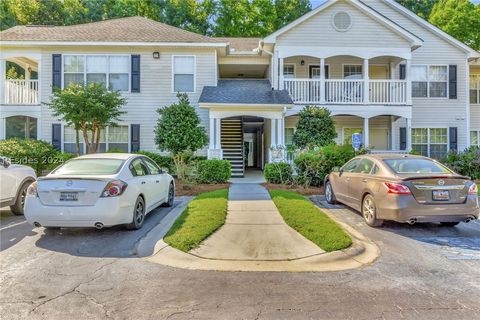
x: 315, y: 128
x: 178, y: 131
x: 88, y: 109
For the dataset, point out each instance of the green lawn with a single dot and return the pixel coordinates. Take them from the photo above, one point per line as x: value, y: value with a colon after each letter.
x: 303, y: 216
x: 202, y: 217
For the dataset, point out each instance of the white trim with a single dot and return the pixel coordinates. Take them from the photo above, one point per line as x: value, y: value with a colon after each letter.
x: 194, y: 72
x: 110, y: 43
x: 414, y: 40
x: 467, y: 105
x: 209, y: 105
x: 429, y: 138
x: 294, y: 69
x: 329, y: 52
x: 447, y: 97
x: 471, y: 52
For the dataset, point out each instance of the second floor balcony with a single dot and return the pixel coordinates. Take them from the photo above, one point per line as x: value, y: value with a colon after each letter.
x: 20, y: 82
x: 18, y: 92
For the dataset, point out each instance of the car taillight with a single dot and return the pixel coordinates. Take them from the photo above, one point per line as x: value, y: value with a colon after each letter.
x: 114, y: 189
x: 473, y: 189
x: 32, y: 190
x: 397, y: 188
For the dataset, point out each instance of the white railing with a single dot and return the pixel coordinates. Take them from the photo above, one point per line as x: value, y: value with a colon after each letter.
x: 388, y: 91
x: 347, y: 91
x: 21, y: 91
x: 475, y: 89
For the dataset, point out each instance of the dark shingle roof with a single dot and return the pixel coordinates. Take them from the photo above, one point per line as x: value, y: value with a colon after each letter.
x: 244, y: 92
x: 130, y: 29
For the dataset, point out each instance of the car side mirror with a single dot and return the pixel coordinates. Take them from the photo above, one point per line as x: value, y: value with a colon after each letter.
x: 164, y: 170
x: 336, y: 169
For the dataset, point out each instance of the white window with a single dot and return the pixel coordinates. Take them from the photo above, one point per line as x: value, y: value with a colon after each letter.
x: 184, y: 73
x: 429, y: 81
x: 430, y: 142
x: 475, y: 138
x: 111, y: 71
x: 475, y: 89
x: 289, y: 71
x: 352, y: 71
x: 289, y: 132
x: 111, y: 139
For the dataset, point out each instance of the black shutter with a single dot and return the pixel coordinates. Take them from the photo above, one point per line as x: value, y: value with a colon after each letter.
x: 452, y: 84
x: 403, y: 72
x: 452, y: 132
x: 57, y: 136
x: 56, y: 71
x: 403, y: 138
x: 135, y: 138
x: 135, y: 73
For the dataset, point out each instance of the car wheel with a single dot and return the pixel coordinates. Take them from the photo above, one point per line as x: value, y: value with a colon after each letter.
x: 369, y: 212
x: 329, y: 194
x: 138, y: 215
x: 17, y: 208
x: 449, y: 224
x: 171, y: 197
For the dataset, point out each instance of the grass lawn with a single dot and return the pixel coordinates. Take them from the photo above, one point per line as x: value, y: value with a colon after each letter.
x: 303, y: 216
x: 202, y: 217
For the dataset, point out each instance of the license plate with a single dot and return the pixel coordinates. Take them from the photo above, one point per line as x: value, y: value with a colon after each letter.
x: 68, y: 196
x: 441, y: 195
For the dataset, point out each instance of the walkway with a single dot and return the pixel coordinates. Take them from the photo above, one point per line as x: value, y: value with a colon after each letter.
x: 254, y: 230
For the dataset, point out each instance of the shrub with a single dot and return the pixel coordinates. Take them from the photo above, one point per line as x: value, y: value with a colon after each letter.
x: 280, y: 172
x: 313, y: 165
x: 315, y: 127
x: 466, y: 163
x: 164, y: 162
x: 38, y: 154
x: 213, y: 171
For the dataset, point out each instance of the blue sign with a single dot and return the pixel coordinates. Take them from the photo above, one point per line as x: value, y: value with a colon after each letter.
x: 356, y: 140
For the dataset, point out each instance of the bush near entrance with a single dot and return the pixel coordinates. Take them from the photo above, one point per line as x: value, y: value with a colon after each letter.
x: 279, y: 173
x: 315, y: 128
x: 213, y: 171
x: 466, y: 163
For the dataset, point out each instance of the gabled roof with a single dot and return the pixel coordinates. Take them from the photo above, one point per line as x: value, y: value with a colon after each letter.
x: 122, y: 30
x: 471, y: 52
x: 414, y: 40
x: 254, y: 92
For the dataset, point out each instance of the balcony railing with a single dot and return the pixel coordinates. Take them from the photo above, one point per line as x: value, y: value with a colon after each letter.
x: 475, y: 90
x: 347, y: 91
x: 21, y: 91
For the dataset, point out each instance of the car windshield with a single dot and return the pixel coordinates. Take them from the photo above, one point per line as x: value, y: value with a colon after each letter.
x: 416, y: 166
x: 90, y: 167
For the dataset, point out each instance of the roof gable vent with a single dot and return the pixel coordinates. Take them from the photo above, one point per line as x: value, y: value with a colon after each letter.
x: 342, y: 21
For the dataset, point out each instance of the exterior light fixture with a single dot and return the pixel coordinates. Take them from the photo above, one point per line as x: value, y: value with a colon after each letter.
x: 302, y: 62
x: 156, y: 55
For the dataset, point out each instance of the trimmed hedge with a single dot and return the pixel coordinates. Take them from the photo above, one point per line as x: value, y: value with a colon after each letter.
x: 213, y: 171
x: 279, y: 173
x: 38, y: 154
x: 466, y: 163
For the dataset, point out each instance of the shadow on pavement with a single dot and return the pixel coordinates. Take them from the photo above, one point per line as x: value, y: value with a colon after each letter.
x: 14, y: 229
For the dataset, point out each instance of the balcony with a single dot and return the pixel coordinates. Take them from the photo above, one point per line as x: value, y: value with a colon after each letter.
x: 315, y: 91
x: 21, y: 92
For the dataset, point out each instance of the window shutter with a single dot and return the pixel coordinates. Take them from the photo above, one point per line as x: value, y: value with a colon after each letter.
x: 452, y: 132
x: 57, y: 136
x: 403, y: 72
x: 452, y: 84
x: 135, y: 73
x: 135, y: 138
x: 56, y: 71
x: 403, y: 138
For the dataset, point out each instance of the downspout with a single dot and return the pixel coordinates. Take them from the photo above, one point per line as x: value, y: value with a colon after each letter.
x: 467, y: 116
x: 260, y: 46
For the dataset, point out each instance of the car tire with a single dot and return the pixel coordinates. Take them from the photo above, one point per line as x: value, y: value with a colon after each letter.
x: 18, y: 206
x: 449, y: 224
x: 171, y: 197
x: 369, y: 211
x: 329, y: 194
x: 138, y: 215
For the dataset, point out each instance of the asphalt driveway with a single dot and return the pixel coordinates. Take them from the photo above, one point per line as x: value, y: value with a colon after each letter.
x: 424, y: 272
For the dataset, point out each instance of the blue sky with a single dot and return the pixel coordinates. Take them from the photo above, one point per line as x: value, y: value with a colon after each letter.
x: 316, y: 3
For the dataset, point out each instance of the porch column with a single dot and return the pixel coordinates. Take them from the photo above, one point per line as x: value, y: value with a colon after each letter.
x: 275, y: 70
x: 409, y: 135
x: 280, y: 132
x: 273, y: 132
x: 366, y: 133
x: 212, y: 134
x: 218, y: 141
x: 282, y: 66
x: 322, y: 80
x: 366, y: 89
x: 408, y: 78
x: 392, y: 132
x: 2, y: 81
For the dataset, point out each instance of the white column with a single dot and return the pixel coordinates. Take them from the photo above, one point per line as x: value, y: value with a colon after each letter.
x: 2, y: 128
x: 366, y: 133
x: 322, y: 80
x: 409, y: 134
x: 366, y: 90
x: 408, y: 78
x: 282, y: 66
x: 27, y: 73
x: 279, y: 132
x: 275, y: 70
x: 273, y: 137
x: 212, y: 134
x: 218, y: 141
x: 392, y: 132
x: 2, y: 81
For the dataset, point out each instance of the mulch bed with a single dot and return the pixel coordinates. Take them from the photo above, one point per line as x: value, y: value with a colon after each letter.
x: 195, y: 189
x: 310, y: 191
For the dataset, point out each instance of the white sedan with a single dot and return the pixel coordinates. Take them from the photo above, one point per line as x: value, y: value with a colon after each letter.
x: 99, y: 190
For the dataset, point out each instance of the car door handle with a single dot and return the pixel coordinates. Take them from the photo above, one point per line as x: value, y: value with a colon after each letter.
x: 143, y: 182
x: 157, y: 181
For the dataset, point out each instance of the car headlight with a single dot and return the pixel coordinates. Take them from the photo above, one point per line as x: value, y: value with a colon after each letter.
x: 473, y: 190
x: 32, y: 190
x: 114, y: 188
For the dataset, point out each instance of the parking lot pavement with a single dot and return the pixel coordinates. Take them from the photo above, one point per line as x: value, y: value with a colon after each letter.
x: 91, y: 274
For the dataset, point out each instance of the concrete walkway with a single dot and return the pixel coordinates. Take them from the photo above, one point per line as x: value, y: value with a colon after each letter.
x: 255, y: 230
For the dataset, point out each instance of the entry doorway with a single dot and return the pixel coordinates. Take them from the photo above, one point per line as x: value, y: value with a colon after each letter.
x: 253, y: 141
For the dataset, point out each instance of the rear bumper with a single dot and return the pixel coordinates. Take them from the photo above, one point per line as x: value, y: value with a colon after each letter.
x: 406, y: 208
x: 108, y: 211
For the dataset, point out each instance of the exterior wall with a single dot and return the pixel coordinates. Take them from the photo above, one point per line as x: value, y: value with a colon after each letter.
x: 155, y: 85
x: 475, y: 109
